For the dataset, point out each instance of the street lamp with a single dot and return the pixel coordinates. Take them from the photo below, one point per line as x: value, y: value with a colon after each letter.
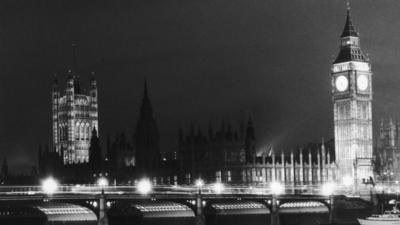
x: 102, y: 182
x: 199, y: 201
x: 103, y: 219
x: 328, y: 189
x: 144, y: 186
x: 49, y: 185
x: 277, y: 188
x: 199, y: 183
x: 218, y: 187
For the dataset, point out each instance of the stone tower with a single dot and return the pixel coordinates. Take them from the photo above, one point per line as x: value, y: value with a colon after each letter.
x: 352, y: 97
x: 75, y: 115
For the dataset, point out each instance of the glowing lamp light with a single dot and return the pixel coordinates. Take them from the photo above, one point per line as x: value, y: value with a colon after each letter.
x: 328, y: 189
x: 277, y: 188
x: 199, y: 183
x: 144, y: 186
x: 102, y: 182
x: 347, y: 181
x: 49, y: 186
x: 218, y: 188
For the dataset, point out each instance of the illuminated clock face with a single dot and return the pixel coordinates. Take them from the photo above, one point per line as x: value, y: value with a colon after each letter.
x: 341, y: 83
x: 362, y: 82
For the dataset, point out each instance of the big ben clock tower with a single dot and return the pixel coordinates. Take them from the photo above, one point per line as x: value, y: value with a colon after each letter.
x: 352, y: 110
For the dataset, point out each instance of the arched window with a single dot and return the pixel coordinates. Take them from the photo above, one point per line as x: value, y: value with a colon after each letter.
x: 77, y: 131
x: 87, y: 131
x: 61, y: 133
x: 82, y: 132
x: 65, y: 132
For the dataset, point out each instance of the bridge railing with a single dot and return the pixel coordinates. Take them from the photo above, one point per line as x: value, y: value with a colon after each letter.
x: 164, y: 189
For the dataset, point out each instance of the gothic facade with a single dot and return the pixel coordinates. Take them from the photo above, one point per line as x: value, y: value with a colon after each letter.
x: 75, y: 115
x: 352, y: 107
x: 387, y: 153
x: 232, y: 157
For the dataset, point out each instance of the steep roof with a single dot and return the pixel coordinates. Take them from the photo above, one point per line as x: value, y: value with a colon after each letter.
x: 349, y: 29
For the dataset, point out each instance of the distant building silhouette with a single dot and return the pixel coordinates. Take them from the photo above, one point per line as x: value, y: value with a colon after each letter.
x: 147, y: 140
x: 121, y: 158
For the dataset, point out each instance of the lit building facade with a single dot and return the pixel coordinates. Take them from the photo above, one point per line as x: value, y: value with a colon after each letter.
x: 387, y: 154
x: 352, y: 109
x: 232, y: 157
x: 75, y: 115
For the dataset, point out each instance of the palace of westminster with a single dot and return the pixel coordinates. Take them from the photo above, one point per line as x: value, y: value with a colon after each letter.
x: 225, y: 154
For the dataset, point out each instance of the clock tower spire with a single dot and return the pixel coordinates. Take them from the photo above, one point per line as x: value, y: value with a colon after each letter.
x: 352, y: 108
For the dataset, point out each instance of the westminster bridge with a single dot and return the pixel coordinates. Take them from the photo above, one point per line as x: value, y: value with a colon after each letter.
x: 196, y: 204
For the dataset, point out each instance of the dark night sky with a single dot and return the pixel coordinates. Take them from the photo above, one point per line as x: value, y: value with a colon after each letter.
x: 204, y: 60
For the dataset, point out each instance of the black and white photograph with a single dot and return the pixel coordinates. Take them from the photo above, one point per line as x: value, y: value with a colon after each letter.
x: 199, y: 112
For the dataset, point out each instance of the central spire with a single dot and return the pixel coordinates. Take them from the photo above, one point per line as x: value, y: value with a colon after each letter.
x: 349, y: 29
x: 146, y: 110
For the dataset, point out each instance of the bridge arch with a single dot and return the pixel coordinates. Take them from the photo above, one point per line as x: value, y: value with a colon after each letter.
x: 310, y: 206
x: 235, y: 212
x: 46, y: 213
x: 150, y: 212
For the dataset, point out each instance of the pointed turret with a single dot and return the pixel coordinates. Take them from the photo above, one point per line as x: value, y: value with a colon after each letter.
x: 95, y: 151
x: 93, y: 95
x: 250, y: 140
x: 349, y: 29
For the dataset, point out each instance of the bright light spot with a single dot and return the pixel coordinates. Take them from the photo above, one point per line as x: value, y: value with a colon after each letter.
x: 49, y: 186
x: 193, y: 202
x: 102, y: 182
x: 94, y: 204
x: 347, y: 181
x: 144, y: 186
x: 392, y: 202
x: 328, y: 189
x: 199, y: 183
x: 277, y: 188
x: 379, y: 188
x: 108, y: 204
x: 204, y: 203
x: 218, y: 187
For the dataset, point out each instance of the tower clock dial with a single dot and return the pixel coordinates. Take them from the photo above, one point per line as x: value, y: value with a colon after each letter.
x: 362, y: 82
x: 341, y: 83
